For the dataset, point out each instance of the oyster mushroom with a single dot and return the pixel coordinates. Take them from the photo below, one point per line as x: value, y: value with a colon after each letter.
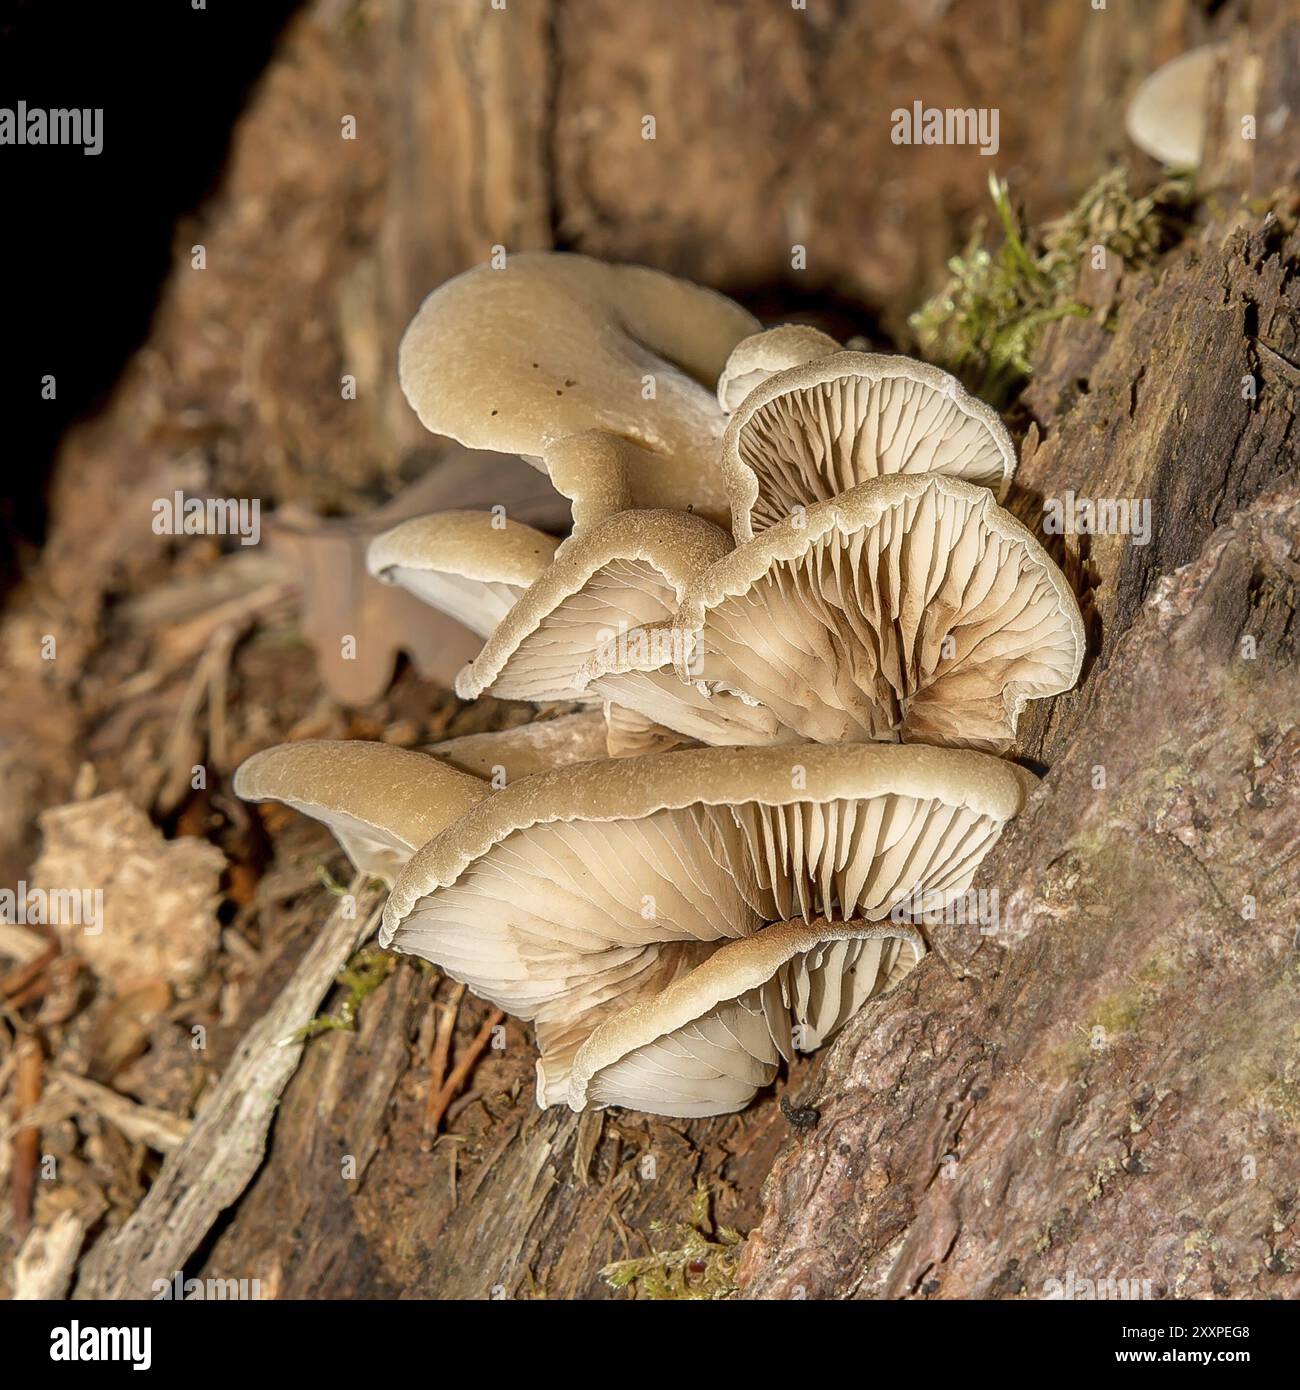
x: 813, y: 431
x: 762, y: 355
x: 472, y: 566
x: 382, y: 803
x: 1166, y: 115
x: 910, y: 607
x: 552, y: 346
x: 708, y: 1041
x: 569, y: 896
x: 621, y: 573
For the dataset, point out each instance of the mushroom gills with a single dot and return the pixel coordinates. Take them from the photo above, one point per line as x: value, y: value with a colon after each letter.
x: 812, y: 432
x: 566, y: 920
x: 906, y: 608
x: 625, y: 573
x: 708, y: 1041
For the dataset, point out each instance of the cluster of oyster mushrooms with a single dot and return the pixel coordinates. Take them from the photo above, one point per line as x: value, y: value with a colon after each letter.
x: 798, y: 630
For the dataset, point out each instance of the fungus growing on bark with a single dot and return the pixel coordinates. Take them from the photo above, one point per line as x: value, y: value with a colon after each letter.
x: 813, y: 431
x: 552, y: 346
x: 570, y: 895
x: 675, y: 923
x: 709, y: 1040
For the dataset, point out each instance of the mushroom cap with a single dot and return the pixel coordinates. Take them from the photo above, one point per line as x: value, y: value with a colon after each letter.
x: 711, y: 1038
x: 813, y: 431
x: 382, y: 803
x: 761, y: 355
x: 470, y: 565
x: 569, y: 894
x: 623, y: 572
x: 1166, y: 115
x: 526, y: 749
x: 910, y: 606
x: 552, y: 345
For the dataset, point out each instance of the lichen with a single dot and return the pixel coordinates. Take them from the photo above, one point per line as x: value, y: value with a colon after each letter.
x: 982, y: 325
x: 702, y: 1264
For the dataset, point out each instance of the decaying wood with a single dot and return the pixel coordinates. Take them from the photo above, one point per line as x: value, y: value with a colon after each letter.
x: 227, y: 1142
x: 30, y: 1069
x: 146, y: 1123
x: 43, y: 1267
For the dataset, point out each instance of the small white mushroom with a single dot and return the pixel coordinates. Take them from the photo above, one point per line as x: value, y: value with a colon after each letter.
x: 550, y: 346
x: 569, y: 895
x: 756, y: 358
x: 382, y: 803
x: 710, y: 1039
x: 1166, y: 116
x: 472, y: 566
x: 813, y: 431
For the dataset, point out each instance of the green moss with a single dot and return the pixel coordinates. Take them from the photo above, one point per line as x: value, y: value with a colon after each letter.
x: 982, y: 325
x: 362, y: 975
x: 701, y: 1264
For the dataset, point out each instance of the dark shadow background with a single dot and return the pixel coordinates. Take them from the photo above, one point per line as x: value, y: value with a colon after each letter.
x: 85, y: 241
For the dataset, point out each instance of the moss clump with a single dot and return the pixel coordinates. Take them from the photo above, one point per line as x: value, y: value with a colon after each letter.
x: 983, y: 324
x: 362, y: 975
x: 701, y: 1266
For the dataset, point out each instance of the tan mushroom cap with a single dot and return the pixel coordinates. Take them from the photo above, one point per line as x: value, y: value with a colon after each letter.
x: 505, y: 755
x: 642, y: 686
x: 382, y: 803
x: 568, y: 895
x: 760, y: 356
x: 502, y: 756
x: 1166, y: 115
x: 709, y: 1040
x: 553, y: 345
x: 806, y: 434
x: 910, y: 607
x: 472, y: 566
x: 623, y: 572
